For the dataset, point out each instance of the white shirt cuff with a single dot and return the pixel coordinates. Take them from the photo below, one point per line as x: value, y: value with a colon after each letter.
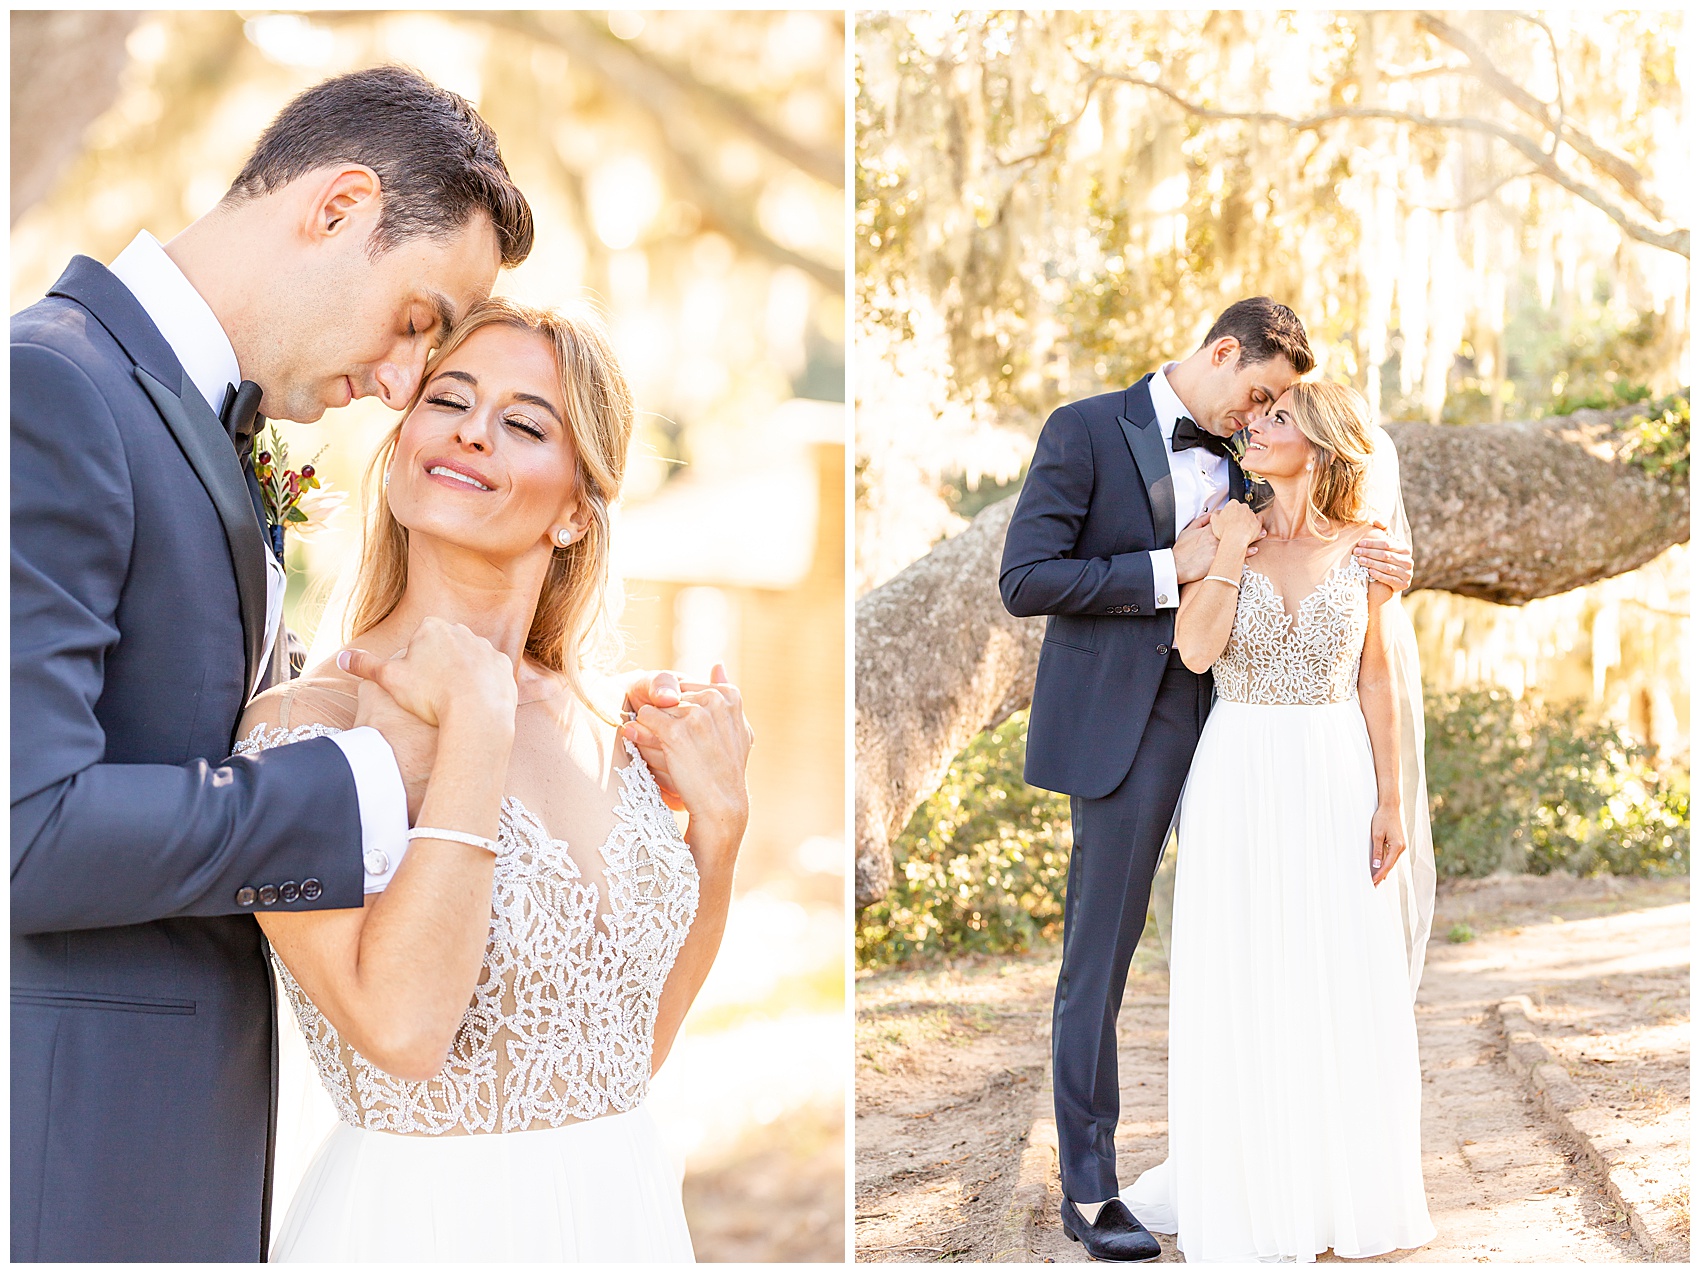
x: 383, y: 803
x: 1163, y: 583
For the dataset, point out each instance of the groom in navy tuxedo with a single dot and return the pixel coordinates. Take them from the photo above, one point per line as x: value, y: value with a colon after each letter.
x: 145, y: 601
x: 1112, y: 520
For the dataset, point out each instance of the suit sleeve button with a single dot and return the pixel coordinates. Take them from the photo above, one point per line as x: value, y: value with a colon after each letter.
x: 244, y: 896
x: 289, y: 892
x: 268, y: 894
x: 311, y: 889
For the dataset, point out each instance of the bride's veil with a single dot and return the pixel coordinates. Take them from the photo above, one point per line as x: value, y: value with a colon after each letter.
x: 1414, y: 874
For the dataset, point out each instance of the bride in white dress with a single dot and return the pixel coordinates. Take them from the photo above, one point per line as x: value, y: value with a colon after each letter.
x: 487, y: 1025
x: 1294, y: 1088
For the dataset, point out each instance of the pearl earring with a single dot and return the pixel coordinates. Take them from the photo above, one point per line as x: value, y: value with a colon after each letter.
x: 564, y: 537
x: 386, y: 479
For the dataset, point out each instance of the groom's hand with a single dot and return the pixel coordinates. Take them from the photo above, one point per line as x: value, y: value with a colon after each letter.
x: 1195, y: 548
x: 1388, y: 560
x: 411, y: 739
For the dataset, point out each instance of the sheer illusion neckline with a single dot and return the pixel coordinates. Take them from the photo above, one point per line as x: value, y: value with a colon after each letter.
x: 1294, y: 616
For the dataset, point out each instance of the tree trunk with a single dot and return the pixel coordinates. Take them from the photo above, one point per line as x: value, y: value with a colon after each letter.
x: 66, y: 66
x: 1505, y: 512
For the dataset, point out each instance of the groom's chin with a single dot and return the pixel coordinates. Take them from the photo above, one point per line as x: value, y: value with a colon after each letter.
x: 296, y: 412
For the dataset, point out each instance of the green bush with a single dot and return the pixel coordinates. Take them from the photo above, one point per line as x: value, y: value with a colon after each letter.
x: 1527, y: 786
x: 981, y: 865
x: 1519, y: 786
x: 1658, y: 439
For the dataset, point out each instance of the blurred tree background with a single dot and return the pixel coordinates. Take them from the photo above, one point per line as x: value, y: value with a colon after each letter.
x: 687, y: 174
x: 1479, y: 216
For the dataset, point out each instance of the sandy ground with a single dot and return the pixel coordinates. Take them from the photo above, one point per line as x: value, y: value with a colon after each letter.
x: 949, y: 1061
x: 778, y: 1197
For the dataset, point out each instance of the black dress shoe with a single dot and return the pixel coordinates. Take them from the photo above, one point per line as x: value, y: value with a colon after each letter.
x: 1115, y: 1236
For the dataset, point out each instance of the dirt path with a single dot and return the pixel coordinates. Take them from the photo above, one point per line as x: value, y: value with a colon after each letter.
x: 951, y: 1069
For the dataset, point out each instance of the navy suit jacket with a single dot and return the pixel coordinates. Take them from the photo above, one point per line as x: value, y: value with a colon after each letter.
x: 143, y: 1023
x: 1098, y: 500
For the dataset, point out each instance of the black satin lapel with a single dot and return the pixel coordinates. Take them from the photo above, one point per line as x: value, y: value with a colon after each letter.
x: 1145, y: 440
x: 1236, y: 480
x: 207, y: 447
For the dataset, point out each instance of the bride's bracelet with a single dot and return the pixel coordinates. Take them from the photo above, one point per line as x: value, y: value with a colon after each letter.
x: 456, y: 837
x: 1232, y: 583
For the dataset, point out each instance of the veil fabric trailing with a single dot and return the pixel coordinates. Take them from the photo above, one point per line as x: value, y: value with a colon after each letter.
x: 1413, y: 875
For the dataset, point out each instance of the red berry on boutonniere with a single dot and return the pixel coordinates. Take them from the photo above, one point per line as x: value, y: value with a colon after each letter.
x: 286, y: 492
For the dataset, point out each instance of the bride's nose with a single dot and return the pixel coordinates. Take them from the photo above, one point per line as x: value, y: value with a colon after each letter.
x: 474, y: 431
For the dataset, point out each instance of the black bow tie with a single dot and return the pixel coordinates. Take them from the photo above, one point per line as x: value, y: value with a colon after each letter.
x: 240, y: 415
x: 1189, y: 435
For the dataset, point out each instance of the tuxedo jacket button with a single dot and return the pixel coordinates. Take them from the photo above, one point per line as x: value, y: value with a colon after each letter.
x: 268, y: 894
x: 289, y: 891
x: 1162, y: 649
x: 311, y: 890
x: 244, y: 896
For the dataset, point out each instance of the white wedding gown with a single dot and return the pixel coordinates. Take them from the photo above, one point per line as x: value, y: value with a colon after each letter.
x: 533, y: 1142
x: 1294, y: 1088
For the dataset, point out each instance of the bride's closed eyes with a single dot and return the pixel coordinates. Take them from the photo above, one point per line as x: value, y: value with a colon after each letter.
x: 449, y: 400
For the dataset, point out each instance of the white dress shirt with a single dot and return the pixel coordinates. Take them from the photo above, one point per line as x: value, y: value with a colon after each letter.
x: 199, y: 341
x: 1201, y: 483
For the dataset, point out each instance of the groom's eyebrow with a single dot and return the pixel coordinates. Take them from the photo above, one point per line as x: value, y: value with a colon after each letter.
x: 445, y: 312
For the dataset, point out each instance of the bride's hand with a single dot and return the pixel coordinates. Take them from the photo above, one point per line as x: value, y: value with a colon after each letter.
x: 704, y: 745
x: 446, y: 672
x: 1235, y: 524
x: 1386, y: 842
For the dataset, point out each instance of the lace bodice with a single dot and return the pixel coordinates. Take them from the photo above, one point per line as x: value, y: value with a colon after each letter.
x: 1313, y: 658
x: 562, y: 1021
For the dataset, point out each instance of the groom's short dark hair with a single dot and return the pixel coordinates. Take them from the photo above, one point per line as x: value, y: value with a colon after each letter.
x: 1264, y: 329
x: 437, y: 160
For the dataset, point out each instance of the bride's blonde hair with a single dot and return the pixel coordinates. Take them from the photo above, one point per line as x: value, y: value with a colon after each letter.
x: 598, y: 406
x: 1334, y: 419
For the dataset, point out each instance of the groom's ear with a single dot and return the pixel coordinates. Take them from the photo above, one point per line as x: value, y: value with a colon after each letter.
x: 344, y: 203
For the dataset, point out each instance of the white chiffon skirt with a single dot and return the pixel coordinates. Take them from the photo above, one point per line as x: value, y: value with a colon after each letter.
x: 600, y: 1191
x: 1294, y: 1087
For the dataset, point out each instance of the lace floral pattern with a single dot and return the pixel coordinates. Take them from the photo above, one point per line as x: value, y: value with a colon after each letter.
x: 562, y: 1021
x: 1312, y: 658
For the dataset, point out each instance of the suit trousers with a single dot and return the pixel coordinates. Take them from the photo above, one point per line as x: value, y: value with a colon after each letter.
x: 1118, y: 841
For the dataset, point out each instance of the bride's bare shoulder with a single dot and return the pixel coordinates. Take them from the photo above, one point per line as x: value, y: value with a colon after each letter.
x: 322, y: 695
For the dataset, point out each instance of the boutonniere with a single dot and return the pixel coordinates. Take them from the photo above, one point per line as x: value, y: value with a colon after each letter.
x: 1256, y: 489
x: 292, y: 497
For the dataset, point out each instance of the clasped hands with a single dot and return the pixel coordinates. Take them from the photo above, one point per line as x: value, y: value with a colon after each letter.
x: 693, y: 736
x: 1388, y: 560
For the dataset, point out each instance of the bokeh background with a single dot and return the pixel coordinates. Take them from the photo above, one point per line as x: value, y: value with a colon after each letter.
x: 1479, y: 218
x: 687, y: 173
